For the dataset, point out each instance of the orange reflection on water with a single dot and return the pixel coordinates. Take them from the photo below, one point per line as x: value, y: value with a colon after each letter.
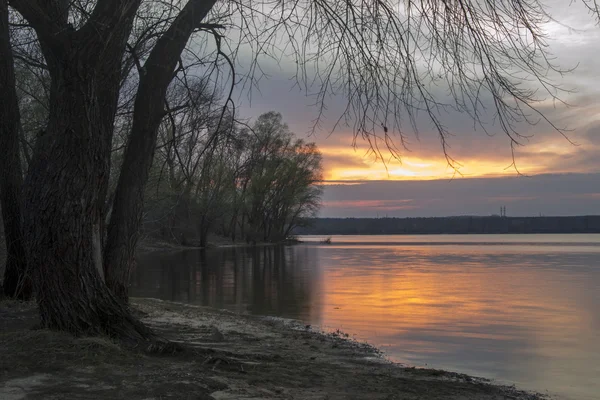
x: 395, y: 297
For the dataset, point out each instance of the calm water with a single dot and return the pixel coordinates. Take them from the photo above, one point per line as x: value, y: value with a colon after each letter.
x: 522, y: 309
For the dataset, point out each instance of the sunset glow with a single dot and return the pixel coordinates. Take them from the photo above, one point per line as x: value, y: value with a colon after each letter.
x: 357, y: 166
x: 551, y: 176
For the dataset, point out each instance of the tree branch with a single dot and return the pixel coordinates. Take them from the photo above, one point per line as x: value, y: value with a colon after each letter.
x: 47, y: 17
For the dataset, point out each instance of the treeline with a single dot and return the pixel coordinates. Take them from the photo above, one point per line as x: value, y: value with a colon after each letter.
x: 211, y: 173
x: 450, y: 225
x: 254, y: 184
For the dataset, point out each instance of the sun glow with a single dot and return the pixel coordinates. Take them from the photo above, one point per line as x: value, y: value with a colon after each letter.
x: 343, y: 161
x: 346, y: 164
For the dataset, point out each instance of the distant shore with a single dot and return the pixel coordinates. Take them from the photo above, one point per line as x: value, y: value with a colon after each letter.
x: 494, y: 224
x: 228, y: 356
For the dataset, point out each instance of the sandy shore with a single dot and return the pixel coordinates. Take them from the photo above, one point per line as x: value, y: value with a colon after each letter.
x: 228, y: 356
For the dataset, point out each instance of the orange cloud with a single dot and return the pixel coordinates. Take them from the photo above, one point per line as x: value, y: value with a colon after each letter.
x: 357, y: 166
x: 546, y: 154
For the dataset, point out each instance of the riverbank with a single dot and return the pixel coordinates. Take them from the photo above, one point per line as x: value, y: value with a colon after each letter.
x: 228, y: 356
x: 149, y: 245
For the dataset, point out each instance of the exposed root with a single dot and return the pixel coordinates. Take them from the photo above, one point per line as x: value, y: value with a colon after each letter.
x: 133, y: 334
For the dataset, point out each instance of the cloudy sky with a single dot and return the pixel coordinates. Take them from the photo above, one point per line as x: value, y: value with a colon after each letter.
x: 558, y: 177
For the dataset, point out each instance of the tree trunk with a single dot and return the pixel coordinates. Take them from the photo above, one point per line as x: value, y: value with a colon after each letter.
x: 63, y: 196
x: 66, y: 184
x: 156, y: 75
x: 203, y: 237
x: 17, y: 281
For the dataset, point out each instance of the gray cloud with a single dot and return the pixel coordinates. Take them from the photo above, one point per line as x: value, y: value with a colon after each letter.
x: 573, y: 44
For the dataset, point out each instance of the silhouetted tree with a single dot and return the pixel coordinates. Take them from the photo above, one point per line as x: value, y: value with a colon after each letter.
x: 17, y: 281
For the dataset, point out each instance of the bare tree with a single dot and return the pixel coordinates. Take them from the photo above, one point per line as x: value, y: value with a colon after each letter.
x: 192, y: 157
x: 396, y: 62
x: 281, y: 180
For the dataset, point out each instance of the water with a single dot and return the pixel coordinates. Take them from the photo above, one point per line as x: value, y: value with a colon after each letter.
x: 522, y: 309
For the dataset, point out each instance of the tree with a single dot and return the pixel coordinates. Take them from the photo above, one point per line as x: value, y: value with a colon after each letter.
x: 148, y: 113
x: 17, y: 282
x: 300, y: 198
x: 216, y: 181
x: 371, y: 52
x: 194, y: 151
x: 282, y: 178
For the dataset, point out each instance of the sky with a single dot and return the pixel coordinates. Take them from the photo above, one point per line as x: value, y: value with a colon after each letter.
x: 553, y: 175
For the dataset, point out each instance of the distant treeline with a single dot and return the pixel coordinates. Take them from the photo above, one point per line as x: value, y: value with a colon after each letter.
x: 450, y: 225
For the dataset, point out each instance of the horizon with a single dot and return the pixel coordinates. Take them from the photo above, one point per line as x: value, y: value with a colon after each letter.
x: 466, y: 216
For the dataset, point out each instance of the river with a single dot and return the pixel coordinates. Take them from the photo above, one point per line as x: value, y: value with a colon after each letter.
x: 521, y: 309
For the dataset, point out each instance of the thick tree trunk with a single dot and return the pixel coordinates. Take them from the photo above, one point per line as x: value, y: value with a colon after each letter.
x: 67, y: 179
x: 125, y: 221
x: 17, y: 281
x: 63, y: 196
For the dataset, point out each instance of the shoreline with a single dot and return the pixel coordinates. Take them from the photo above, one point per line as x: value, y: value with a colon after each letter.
x: 151, y: 245
x: 228, y: 356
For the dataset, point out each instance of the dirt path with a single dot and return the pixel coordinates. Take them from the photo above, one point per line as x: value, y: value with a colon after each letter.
x: 229, y: 357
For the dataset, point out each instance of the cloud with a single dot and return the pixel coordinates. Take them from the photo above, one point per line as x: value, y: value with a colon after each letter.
x: 550, y: 194
x: 573, y: 43
x: 381, y: 205
x: 592, y: 134
x: 343, y: 159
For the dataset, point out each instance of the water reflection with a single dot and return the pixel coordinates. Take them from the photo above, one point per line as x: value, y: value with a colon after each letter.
x: 271, y: 280
x: 519, y: 313
x: 526, y: 319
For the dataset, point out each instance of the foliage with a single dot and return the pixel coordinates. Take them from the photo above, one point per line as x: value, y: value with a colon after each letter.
x: 255, y: 184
